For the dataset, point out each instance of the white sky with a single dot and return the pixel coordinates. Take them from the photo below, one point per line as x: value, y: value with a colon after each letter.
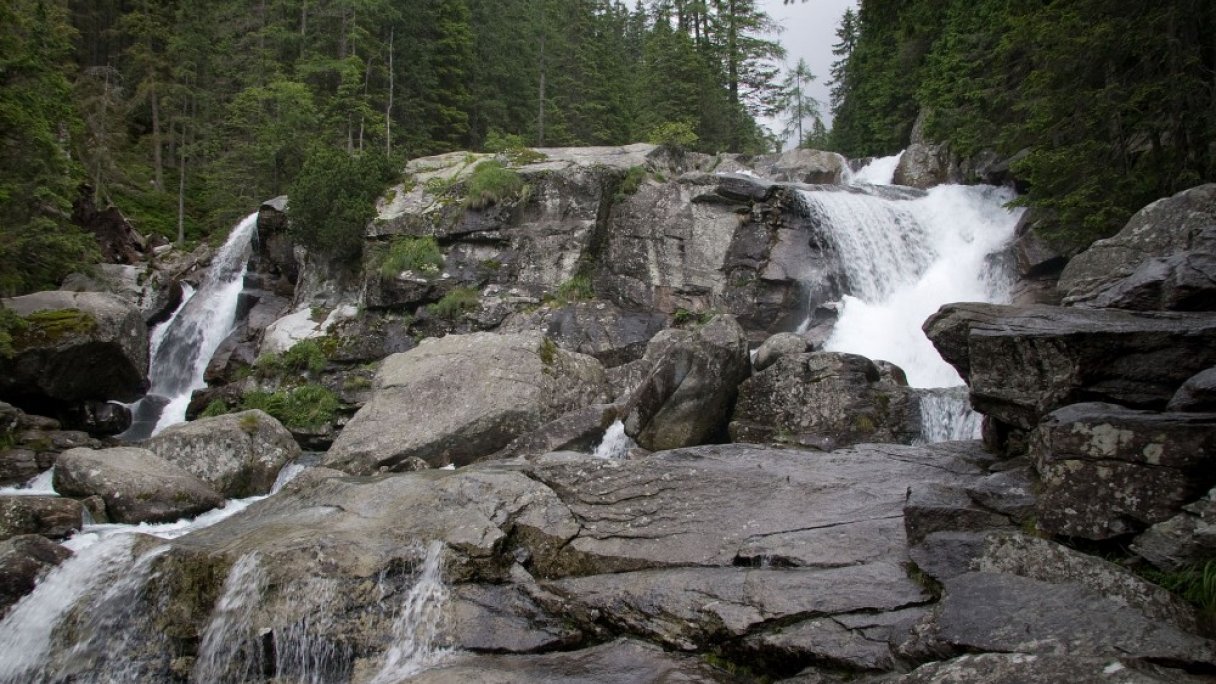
x: 810, y: 31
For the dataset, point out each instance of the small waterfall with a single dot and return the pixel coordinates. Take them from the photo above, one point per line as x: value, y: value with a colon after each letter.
x: 181, y: 351
x: 904, y: 256
x: 616, y: 444
x: 419, y: 624
x: 946, y: 415
x: 105, y: 572
x: 880, y: 171
x: 304, y: 649
x: 230, y: 650
x: 39, y: 485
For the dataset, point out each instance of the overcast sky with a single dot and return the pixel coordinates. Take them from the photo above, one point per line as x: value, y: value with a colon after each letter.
x: 810, y: 31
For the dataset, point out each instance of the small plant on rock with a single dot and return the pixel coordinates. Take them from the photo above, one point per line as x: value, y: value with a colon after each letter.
x: 492, y: 183
x: 418, y: 254
x: 456, y: 302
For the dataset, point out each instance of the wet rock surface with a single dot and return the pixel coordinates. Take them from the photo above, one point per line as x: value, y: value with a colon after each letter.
x: 23, y: 561
x: 50, y: 516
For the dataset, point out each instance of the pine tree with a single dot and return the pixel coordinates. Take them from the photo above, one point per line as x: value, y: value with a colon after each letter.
x: 795, y: 103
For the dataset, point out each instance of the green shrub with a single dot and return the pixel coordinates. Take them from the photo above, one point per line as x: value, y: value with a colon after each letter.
x: 491, y: 183
x: 547, y: 351
x: 1195, y: 584
x: 334, y: 198
x: 632, y: 181
x: 310, y: 355
x: 456, y: 302
x: 512, y: 147
x: 307, y: 406
x: 11, y: 325
x: 576, y: 289
x: 217, y: 407
x: 418, y: 254
x: 677, y: 134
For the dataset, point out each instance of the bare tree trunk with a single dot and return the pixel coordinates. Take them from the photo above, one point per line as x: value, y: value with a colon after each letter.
x: 540, y: 109
x: 157, y: 153
x: 388, y: 108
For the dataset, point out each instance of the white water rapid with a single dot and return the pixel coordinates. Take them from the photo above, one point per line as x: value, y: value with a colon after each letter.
x: 183, y: 345
x: 615, y: 444
x: 419, y: 625
x: 905, y: 254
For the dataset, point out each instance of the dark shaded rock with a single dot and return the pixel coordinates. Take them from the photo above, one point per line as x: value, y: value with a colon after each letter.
x: 923, y: 166
x: 1185, y: 540
x: 579, y: 430
x: 686, y: 397
x: 1008, y: 492
x: 744, y: 188
x: 824, y: 641
x: 1007, y: 613
x: 97, y: 417
x: 17, y: 466
x: 98, y: 351
x: 604, y: 332
x: 136, y: 485
x: 1106, y: 471
x: 1023, y: 362
x: 933, y: 507
x: 619, y: 662
x: 275, y: 245
x: 781, y: 344
x: 239, y: 454
x: 825, y: 400
x: 119, y: 242
x: 1198, y: 393
x: 1022, y: 668
x: 50, y: 516
x: 505, y: 619
x: 508, y: 386
x: 23, y: 561
x: 1164, y: 258
x: 371, y: 337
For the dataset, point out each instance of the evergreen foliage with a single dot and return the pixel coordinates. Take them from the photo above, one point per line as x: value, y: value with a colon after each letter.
x: 333, y: 199
x: 1106, y: 103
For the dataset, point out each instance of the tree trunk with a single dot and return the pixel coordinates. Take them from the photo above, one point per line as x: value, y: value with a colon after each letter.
x: 540, y: 110
x: 157, y: 156
x: 388, y: 108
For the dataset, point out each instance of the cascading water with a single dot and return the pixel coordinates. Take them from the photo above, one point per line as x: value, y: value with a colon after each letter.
x: 184, y: 344
x: 229, y: 650
x: 904, y: 255
x: 615, y: 444
x: 419, y: 624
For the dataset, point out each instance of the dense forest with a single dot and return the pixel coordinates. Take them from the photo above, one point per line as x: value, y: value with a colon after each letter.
x: 185, y: 115
x: 1105, y: 105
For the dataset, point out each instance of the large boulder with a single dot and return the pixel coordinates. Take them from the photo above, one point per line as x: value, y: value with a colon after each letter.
x: 1164, y: 258
x: 239, y: 454
x: 685, y: 398
x: 598, y: 329
x: 462, y: 397
x: 136, y: 484
x: 1198, y: 393
x: 923, y: 165
x: 1024, y: 362
x: 78, y: 346
x: 1106, y: 471
x: 1187, y: 540
x: 802, y: 165
x: 825, y: 400
x: 51, y: 516
x: 775, y: 347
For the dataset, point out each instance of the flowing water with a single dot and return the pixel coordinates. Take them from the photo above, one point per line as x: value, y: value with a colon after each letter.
x: 183, y: 345
x: 904, y: 256
x: 419, y: 625
x: 615, y: 444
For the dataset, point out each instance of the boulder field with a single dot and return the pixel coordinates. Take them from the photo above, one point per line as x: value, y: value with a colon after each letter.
x: 774, y: 517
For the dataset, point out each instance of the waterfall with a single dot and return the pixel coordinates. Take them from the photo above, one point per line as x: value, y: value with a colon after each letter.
x: 905, y: 255
x: 615, y: 444
x: 946, y: 415
x: 183, y: 345
x: 418, y: 626
x: 230, y: 650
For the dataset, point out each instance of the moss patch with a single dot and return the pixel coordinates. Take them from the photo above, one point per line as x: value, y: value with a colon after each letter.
x: 43, y: 328
x: 418, y: 254
x: 456, y: 302
x: 492, y: 183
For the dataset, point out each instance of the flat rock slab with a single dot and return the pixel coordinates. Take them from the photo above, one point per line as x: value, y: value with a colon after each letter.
x: 741, y: 504
x: 687, y: 607
x: 136, y: 484
x: 1022, y: 668
x: 1024, y: 362
x: 618, y: 662
x: 1007, y: 613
